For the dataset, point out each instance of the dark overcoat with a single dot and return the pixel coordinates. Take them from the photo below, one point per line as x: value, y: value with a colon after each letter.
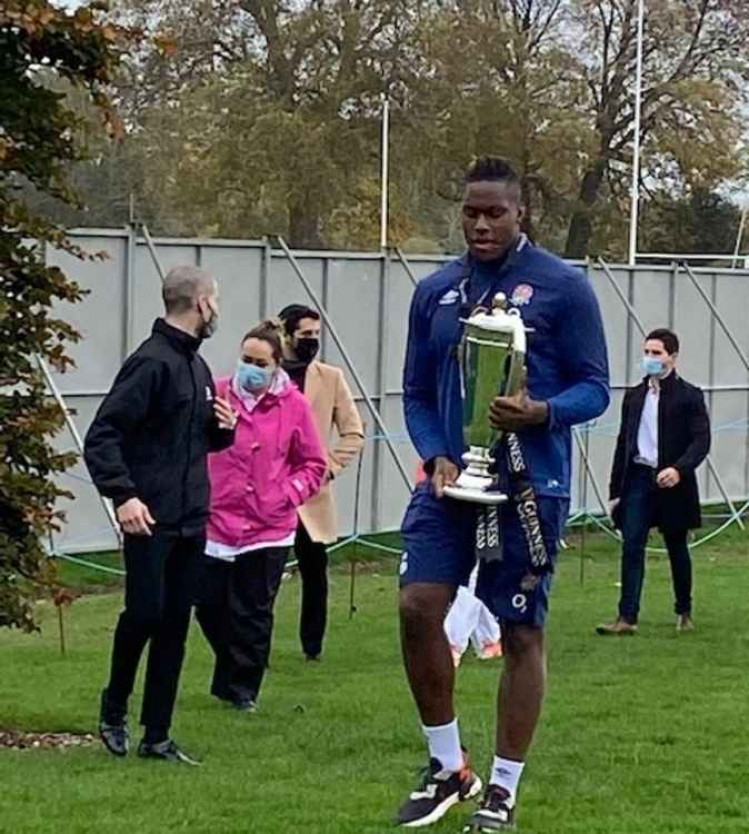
x: 683, y: 443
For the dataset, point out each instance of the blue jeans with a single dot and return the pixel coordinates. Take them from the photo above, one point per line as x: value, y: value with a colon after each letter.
x: 637, y: 517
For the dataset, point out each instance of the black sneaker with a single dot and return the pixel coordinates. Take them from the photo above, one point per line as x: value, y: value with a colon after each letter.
x: 244, y: 704
x: 166, y: 751
x: 494, y: 814
x: 113, y: 728
x: 437, y: 793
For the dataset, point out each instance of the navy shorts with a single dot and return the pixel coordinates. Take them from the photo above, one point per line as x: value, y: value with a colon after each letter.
x: 439, y: 547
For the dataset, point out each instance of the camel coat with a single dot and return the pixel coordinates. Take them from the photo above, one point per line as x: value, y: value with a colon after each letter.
x: 332, y: 405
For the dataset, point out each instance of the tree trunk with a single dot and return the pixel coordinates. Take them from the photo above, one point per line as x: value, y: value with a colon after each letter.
x: 581, y: 223
x: 526, y: 191
x: 304, y: 226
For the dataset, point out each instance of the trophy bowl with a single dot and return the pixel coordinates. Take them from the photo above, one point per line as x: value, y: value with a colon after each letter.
x: 492, y: 360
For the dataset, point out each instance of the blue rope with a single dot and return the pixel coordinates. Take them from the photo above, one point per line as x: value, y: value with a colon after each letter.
x: 86, y: 564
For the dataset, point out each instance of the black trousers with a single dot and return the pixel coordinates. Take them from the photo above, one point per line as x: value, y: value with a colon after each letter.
x: 313, y: 568
x: 235, y: 610
x: 159, y: 590
x: 638, y: 500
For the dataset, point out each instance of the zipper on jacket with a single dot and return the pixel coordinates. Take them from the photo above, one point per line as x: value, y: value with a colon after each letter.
x: 185, y: 478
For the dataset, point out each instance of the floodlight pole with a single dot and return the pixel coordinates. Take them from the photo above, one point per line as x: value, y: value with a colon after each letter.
x: 739, y: 236
x: 384, y: 172
x: 635, y: 196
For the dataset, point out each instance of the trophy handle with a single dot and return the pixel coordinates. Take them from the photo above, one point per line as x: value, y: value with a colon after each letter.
x: 516, y: 373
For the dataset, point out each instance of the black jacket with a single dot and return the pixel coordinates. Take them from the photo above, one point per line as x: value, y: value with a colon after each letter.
x: 151, y: 435
x: 683, y: 442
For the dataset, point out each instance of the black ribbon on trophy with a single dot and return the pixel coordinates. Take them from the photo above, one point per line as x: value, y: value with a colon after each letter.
x: 492, y: 362
x: 523, y: 497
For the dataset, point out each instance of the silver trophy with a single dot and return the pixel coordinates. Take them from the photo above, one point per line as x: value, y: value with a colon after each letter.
x: 492, y: 361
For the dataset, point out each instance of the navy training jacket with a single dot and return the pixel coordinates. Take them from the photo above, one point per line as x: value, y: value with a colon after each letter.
x: 567, y: 358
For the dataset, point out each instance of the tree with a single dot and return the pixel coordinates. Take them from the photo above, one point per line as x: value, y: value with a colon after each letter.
x: 38, y: 141
x: 496, y: 76
x: 694, y: 58
x: 701, y: 222
x: 249, y: 117
x: 274, y: 126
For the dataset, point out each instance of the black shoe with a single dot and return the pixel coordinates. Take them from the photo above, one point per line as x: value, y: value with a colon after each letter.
x: 437, y: 793
x: 113, y: 728
x: 494, y: 814
x: 116, y: 738
x: 312, y: 658
x: 167, y: 751
x: 244, y: 704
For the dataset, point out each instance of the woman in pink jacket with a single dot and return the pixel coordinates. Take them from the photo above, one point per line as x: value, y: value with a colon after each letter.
x: 274, y: 466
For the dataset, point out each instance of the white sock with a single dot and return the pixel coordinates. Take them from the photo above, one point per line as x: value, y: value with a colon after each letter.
x: 507, y: 773
x: 444, y: 744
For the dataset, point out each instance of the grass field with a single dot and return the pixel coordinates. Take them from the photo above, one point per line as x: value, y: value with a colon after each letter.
x: 641, y: 735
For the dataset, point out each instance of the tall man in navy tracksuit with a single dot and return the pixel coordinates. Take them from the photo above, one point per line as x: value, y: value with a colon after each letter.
x: 567, y: 383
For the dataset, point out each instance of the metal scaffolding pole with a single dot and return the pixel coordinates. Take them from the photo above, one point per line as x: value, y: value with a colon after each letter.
x: 152, y: 250
x: 716, y: 315
x: 77, y: 439
x: 406, y: 265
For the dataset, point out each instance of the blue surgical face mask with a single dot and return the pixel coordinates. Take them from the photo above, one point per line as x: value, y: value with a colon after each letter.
x: 252, y: 378
x: 652, y: 366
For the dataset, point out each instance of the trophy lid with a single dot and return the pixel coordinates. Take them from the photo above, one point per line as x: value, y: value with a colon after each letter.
x: 499, y: 302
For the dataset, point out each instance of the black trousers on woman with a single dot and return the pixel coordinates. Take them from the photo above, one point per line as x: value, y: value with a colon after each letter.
x: 235, y: 610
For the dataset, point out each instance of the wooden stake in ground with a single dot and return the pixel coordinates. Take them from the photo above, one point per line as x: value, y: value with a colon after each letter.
x: 63, y: 597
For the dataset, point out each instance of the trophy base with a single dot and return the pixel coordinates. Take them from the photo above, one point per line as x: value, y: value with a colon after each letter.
x: 475, y: 489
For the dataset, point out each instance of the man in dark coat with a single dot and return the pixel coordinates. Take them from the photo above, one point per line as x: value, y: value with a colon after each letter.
x: 664, y: 437
x: 147, y: 451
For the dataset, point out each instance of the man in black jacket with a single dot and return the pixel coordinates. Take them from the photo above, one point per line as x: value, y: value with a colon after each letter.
x: 146, y: 450
x: 664, y: 437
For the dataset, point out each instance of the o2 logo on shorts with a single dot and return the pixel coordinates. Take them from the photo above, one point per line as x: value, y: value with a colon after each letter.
x: 520, y: 601
x: 404, y: 564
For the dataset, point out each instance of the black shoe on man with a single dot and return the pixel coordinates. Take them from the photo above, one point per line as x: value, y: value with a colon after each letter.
x: 439, y: 790
x: 113, y: 728
x: 165, y: 751
x: 245, y: 704
x: 495, y: 813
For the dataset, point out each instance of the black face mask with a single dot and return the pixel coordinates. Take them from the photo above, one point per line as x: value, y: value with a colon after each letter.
x: 306, y: 349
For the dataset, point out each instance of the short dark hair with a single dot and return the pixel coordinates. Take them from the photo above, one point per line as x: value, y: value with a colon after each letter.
x: 267, y: 331
x: 292, y: 314
x: 492, y: 168
x: 668, y: 337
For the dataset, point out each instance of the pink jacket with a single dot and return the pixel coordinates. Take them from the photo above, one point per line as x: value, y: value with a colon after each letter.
x: 274, y: 466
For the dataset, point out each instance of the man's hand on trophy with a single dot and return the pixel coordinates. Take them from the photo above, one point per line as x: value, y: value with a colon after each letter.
x: 445, y: 474
x: 516, y: 412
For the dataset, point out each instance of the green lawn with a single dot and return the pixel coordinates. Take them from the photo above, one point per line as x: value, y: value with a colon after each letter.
x: 640, y: 735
